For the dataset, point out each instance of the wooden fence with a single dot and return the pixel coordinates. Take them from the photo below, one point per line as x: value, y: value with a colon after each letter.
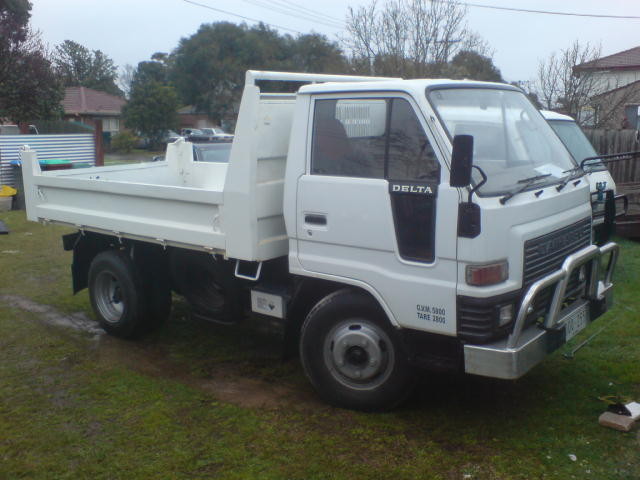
x: 617, y: 141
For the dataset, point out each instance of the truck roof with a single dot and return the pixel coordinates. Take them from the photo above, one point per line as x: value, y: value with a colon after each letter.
x: 549, y: 115
x: 418, y: 85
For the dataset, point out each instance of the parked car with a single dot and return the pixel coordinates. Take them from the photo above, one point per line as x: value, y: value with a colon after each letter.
x: 206, y: 152
x: 212, y: 152
x: 9, y: 130
x: 15, y: 130
x: 210, y: 135
x: 170, y: 136
x: 187, y: 132
x: 217, y: 134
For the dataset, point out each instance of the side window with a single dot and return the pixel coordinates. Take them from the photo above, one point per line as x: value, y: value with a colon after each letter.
x: 411, y: 156
x: 349, y: 137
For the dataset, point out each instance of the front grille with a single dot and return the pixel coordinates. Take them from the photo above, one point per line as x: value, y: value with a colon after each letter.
x: 546, y: 254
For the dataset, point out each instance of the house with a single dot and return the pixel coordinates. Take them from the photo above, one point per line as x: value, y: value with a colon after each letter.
x: 618, y: 107
x: 82, y: 104
x: 616, y: 89
x: 190, y: 117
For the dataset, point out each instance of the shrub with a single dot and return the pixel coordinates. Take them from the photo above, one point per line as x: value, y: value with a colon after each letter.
x: 123, y: 142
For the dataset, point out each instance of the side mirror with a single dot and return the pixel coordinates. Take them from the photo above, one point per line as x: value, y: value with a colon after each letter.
x: 461, y: 161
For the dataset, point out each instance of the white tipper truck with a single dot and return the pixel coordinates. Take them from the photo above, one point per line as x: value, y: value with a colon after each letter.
x: 389, y: 224
x: 601, y: 182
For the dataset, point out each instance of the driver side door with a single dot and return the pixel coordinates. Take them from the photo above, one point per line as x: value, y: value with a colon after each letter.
x: 367, y: 208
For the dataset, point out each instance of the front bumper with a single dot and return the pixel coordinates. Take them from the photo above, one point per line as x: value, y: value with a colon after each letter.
x: 515, y: 355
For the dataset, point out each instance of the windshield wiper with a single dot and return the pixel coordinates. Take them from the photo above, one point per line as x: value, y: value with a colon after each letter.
x: 571, y: 175
x: 527, y: 182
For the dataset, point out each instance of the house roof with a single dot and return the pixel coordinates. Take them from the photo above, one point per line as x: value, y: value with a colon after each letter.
x: 82, y: 100
x: 628, y: 59
x: 625, y: 86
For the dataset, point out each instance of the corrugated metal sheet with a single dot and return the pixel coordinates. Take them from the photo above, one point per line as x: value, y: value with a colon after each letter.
x: 77, y: 148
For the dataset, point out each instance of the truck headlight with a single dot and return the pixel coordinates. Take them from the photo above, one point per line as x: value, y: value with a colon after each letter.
x: 487, y: 274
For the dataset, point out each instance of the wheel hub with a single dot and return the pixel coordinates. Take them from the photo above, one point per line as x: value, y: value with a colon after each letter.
x: 357, y: 352
x: 108, y: 296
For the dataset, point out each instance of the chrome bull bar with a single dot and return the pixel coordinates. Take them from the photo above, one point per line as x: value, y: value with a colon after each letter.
x: 596, y: 289
x: 512, y: 357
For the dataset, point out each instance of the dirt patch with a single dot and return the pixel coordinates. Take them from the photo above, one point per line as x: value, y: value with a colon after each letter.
x: 226, y: 385
x: 152, y: 359
x: 77, y: 321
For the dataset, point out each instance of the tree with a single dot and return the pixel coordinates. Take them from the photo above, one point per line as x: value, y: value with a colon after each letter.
x: 125, y: 77
x: 315, y: 53
x: 410, y: 38
x: 32, y: 91
x: 28, y: 87
x: 560, y: 87
x: 210, y: 65
x: 76, y: 65
x: 14, y: 23
x: 153, y: 104
x: 208, y: 68
x: 472, y: 65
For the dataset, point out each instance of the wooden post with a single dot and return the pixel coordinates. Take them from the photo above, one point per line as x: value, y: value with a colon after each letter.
x: 97, y: 141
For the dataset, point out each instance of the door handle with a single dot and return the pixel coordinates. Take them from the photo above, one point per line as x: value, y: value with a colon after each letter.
x: 315, y: 219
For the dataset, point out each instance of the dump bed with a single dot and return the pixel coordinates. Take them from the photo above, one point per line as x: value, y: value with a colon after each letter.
x: 234, y: 208
x: 174, y: 202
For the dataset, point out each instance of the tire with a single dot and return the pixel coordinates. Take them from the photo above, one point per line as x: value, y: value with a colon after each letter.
x: 351, y: 354
x: 117, y: 296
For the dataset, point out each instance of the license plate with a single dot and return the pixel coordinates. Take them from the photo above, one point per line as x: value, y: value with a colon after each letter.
x: 576, y: 321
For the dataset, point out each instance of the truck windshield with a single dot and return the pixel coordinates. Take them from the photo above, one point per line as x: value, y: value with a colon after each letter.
x: 577, y: 143
x: 512, y: 141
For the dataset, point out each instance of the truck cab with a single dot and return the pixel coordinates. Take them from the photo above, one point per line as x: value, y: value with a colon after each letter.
x: 503, y: 263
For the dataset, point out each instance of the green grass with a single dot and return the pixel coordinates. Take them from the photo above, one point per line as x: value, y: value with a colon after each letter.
x: 135, y: 156
x: 73, y: 406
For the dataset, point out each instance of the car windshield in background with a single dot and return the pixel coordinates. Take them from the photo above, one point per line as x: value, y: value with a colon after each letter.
x: 511, y: 140
x: 577, y: 143
x: 213, y: 131
x: 212, y: 152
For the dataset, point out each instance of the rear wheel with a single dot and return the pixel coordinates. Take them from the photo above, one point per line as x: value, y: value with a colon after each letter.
x: 116, y: 291
x: 351, y: 354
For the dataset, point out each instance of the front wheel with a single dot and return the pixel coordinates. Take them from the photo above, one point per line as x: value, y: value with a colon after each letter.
x: 351, y: 354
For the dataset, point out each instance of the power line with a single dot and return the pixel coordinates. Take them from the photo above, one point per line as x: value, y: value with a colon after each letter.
x: 240, y: 16
x: 294, y: 9
x: 286, y: 10
x: 544, y: 12
x: 311, y: 11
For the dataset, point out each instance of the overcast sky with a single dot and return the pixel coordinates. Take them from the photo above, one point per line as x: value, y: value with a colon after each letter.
x: 130, y: 31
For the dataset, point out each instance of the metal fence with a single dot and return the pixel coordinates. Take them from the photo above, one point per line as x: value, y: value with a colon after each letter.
x: 77, y: 148
x: 617, y: 141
